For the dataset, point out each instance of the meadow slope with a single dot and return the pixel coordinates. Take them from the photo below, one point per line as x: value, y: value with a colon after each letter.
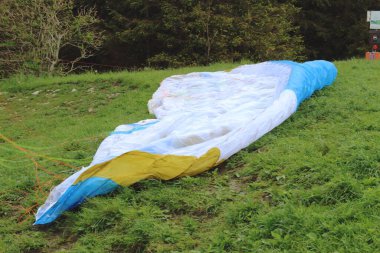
x: 310, y: 185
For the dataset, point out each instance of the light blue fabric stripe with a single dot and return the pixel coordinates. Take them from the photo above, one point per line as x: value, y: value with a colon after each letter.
x: 308, y: 77
x: 303, y: 81
x: 75, y: 195
x: 136, y: 127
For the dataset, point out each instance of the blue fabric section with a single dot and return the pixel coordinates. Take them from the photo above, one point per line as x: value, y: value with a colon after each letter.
x: 308, y: 77
x: 160, y: 147
x: 75, y: 195
x: 305, y: 78
x: 136, y: 127
x: 152, y: 150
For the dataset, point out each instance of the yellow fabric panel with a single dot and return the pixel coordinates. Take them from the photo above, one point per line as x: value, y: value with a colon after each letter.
x: 203, y: 163
x: 134, y: 166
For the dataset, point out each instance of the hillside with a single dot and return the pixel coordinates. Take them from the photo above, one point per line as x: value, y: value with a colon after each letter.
x: 310, y: 185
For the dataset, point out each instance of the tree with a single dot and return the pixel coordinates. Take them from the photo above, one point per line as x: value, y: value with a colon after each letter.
x: 36, y: 32
x: 335, y: 29
x: 172, y: 33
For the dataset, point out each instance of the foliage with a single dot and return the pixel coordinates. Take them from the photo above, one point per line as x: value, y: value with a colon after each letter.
x: 310, y: 185
x: 37, y: 32
x: 40, y: 36
x: 335, y: 29
x: 171, y: 33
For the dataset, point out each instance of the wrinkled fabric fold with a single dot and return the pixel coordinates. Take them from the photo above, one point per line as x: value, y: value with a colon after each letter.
x: 201, y: 120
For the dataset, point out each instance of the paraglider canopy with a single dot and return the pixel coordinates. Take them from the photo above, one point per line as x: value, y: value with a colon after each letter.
x: 201, y: 120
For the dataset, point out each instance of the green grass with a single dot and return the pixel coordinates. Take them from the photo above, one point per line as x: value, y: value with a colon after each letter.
x: 310, y: 185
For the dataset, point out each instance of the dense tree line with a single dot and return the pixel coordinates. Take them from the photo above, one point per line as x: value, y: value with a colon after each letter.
x: 172, y: 33
x: 36, y: 36
x: 335, y: 29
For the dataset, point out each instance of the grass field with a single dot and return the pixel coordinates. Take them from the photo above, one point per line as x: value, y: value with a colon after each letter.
x: 310, y: 185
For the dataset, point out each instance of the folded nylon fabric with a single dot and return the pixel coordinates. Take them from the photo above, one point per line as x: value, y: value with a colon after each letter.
x: 201, y: 120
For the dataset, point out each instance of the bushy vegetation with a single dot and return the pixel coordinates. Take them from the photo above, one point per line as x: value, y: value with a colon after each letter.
x: 310, y: 185
x: 42, y: 36
x: 60, y: 36
x: 335, y: 29
x: 176, y: 33
x: 39, y: 36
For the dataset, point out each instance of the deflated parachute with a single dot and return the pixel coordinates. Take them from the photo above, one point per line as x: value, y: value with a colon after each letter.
x: 201, y: 120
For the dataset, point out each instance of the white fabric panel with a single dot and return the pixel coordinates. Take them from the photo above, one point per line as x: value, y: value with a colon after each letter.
x: 199, y: 111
